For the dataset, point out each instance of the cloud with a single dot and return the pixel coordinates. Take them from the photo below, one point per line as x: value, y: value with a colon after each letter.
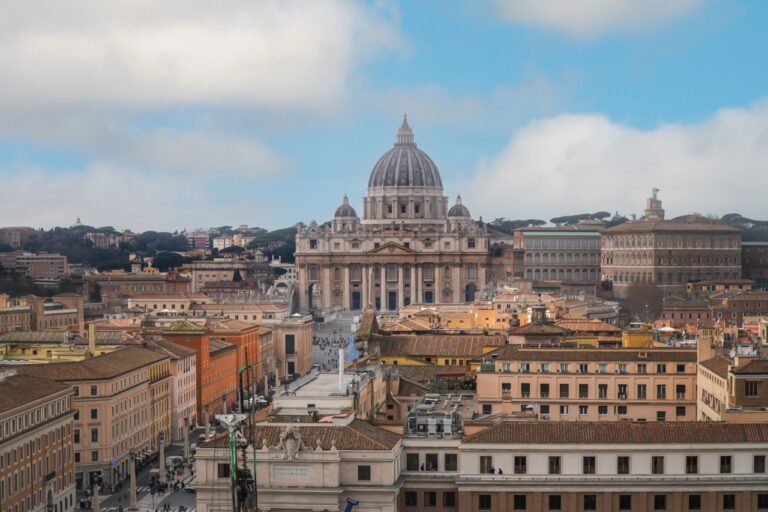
x: 587, y: 18
x: 571, y: 164
x: 124, y: 198
x: 276, y: 54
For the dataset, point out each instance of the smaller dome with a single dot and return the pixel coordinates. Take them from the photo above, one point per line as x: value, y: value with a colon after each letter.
x: 345, y: 210
x: 458, y: 210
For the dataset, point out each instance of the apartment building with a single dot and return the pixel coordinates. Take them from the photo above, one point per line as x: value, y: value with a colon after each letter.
x: 183, y: 386
x: 513, y: 466
x: 733, y: 388
x: 15, y: 315
x: 247, y: 312
x: 167, y: 303
x: 575, y: 384
x: 44, y: 266
x: 220, y: 269
x: 113, y: 407
x: 36, y: 444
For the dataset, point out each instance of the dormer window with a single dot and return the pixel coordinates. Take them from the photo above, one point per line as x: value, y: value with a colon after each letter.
x: 313, y: 244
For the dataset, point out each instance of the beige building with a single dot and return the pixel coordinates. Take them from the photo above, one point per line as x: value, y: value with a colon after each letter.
x: 512, y: 466
x: 15, y: 314
x: 113, y: 408
x: 669, y: 253
x: 220, y: 269
x: 266, y: 313
x: 292, y: 345
x: 167, y: 303
x: 37, y: 467
x: 184, y: 388
x: 733, y: 389
x: 575, y: 384
x: 409, y: 247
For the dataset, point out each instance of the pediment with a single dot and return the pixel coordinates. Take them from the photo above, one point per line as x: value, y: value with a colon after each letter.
x: 392, y: 248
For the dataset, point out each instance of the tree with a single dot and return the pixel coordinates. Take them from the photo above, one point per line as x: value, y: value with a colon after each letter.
x: 95, y: 295
x: 67, y: 286
x: 165, y: 261
x: 232, y: 249
x: 644, y: 301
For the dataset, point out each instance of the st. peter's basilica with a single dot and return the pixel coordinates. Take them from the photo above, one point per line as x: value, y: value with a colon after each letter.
x: 409, y: 246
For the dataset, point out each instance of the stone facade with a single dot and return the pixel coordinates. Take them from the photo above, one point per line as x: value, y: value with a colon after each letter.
x: 409, y: 247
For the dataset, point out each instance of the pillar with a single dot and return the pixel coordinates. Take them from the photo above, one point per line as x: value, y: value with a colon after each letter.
x: 96, y: 506
x: 413, y: 283
x: 345, y: 289
x: 419, y: 284
x: 457, y: 285
x: 400, y: 286
x: 365, y: 297
x: 161, y: 440
x: 302, y: 270
x: 132, y: 471
x: 383, y: 288
x: 186, y: 438
x: 224, y: 404
x: 207, y: 423
x: 438, y: 283
x: 326, y: 280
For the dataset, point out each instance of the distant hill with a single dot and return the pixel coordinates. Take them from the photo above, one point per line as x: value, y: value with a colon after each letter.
x: 278, y: 243
x: 751, y: 230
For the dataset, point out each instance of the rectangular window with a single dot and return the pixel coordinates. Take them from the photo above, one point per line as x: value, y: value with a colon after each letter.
x: 694, y: 502
x: 588, y: 465
x: 725, y: 464
x: 519, y: 502
x: 554, y: 465
x: 661, y: 391
x: 222, y: 470
x: 751, y: 388
x: 94, y: 435
x: 563, y: 410
x: 451, y: 462
x: 412, y: 461
x: 622, y: 465
x: 625, y: 502
x: 680, y: 368
x: 430, y: 499
x: 583, y: 390
x: 364, y: 473
x: 758, y: 464
x: 487, y: 409
x: 521, y: 464
x: 602, y: 390
x: 762, y: 501
x: 621, y: 410
x: 484, y: 501
x: 661, y: 416
x: 691, y: 465
x: 290, y: 344
x: 583, y: 410
x: 659, y: 502
x: 642, y: 368
x: 95, y: 456
x: 661, y: 368
x: 602, y: 410
x: 94, y: 390
x: 525, y: 390
x: 486, y: 463
x: 471, y: 243
x: 555, y: 503
x: 657, y: 465
x: 590, y: 502
x: 544, y: 390
x: 449, y: 499
x: 680, y: 410
x: 94, y: 414
x: 729, y: 502
x: 431, y: 462
x: 410, y: 499
x: 563, y: 390
x: 680, y: 391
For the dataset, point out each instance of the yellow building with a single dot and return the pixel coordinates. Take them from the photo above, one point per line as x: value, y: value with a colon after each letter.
x: 47, y: 346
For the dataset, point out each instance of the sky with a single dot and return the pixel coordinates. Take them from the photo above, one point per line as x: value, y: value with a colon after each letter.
x: 189, y: 114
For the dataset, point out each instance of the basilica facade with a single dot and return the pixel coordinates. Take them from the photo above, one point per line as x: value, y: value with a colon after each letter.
x: 408, y: 247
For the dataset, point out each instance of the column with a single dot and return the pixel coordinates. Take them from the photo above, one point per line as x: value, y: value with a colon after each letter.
x: 132, y: 471
x: 207, y: 422
x: 345, y: 289
x: 419, y: 284
x: 383, y: 290
x: 186, y: 437
x: 457, y: 288
x: 400, y: 286
x: 326, y: 275
x: 481, y: 276
x: 95, y: 501
x: 413, y: 283
x: 161, y: 441
x: 364, y: 284
x: 438, y: 283
x: 302, y: 276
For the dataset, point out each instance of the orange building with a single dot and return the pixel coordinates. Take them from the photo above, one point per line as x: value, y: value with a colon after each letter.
x: 216, y: 363
x: 251, y: 340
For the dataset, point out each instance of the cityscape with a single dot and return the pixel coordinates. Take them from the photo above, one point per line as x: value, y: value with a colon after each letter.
x: 360, y: 338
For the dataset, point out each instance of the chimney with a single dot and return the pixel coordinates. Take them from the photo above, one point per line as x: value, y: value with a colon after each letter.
x: 704, y: 348
x: 91, y: 340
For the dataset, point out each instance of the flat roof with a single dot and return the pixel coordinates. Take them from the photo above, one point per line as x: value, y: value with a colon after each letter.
x: 325, y: 384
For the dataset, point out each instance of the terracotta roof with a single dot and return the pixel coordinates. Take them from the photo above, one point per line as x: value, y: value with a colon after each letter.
x: 220, y: 346
x: 586, y: 325
x: 170, y: 296
x: 63, y: 337
x: 239, y: 307
x: 455, y: 345
x: 717, y: 365
x: 368, y: 324
x: 533, y: 329
x: 408, y: 387
x: 106, y: 366
x: 572, y: 354
x: 229, y: 325
x: 684, y: 432
x: 175, y: 350
x: 358, y: 435
x: 427, y: 373
x: 19, y: 390
x: 754, y: 367
x: 681, y: 224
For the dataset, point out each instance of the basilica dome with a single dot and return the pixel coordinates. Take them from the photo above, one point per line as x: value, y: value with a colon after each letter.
x: 405, y: 165
x: 458, y: 210
x: 345, y: 210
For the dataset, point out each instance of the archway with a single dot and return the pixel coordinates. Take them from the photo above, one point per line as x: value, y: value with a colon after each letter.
x: 469, y: 292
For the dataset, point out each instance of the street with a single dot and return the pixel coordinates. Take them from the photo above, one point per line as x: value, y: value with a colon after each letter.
x: 176, y: 501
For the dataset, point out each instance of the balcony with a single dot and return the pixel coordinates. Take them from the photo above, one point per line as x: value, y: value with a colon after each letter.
x: 487, y: 367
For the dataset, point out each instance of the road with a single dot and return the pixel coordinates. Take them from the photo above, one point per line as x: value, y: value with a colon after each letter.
x: 175, y: 500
